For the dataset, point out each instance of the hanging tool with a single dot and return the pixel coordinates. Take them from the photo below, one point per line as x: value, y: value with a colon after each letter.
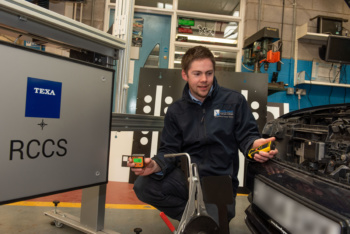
x: 195, y: 218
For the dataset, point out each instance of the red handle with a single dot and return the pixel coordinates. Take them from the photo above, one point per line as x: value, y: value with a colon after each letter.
x: 167, y: 221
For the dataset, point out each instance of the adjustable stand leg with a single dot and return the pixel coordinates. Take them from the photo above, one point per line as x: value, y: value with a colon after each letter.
x: 92, y: 212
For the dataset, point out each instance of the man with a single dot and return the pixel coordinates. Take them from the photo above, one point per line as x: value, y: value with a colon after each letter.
x: 191, y: 126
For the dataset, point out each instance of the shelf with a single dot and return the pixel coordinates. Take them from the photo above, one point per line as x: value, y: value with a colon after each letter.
x: 304, y: 36
x: 210, y: 46
x: 315, y: 37
x: 325, y: 83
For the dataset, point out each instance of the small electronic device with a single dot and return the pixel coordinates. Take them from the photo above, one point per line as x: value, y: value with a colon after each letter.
x: 138, y: 159
x: 329, y: 25
x: 265, y: 147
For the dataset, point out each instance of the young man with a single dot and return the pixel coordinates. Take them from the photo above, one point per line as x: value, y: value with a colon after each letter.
x: 191, y: 126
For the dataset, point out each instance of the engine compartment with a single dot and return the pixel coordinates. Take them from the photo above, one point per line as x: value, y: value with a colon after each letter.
x: 315, y: 139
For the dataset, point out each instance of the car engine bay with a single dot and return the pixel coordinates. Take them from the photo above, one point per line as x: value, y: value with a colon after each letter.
x: 316, y: 140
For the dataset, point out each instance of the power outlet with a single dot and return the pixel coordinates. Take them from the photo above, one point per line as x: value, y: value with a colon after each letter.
x: 300, y: 92
x: 290, y: 91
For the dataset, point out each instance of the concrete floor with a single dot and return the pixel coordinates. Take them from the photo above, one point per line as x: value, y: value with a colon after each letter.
x: 31, y: 220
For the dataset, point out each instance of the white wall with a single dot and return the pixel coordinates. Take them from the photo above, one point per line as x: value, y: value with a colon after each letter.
x: 121, y: 144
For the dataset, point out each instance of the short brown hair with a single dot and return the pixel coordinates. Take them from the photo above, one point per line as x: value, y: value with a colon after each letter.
x: 194, y: 53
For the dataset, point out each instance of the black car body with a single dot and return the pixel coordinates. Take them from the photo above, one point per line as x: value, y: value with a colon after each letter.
x: 306, y: 188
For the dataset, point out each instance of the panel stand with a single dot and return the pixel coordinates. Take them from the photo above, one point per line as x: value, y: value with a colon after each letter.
x: 91, y: 215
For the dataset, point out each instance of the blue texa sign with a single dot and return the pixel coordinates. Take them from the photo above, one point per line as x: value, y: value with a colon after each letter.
x: 43, y: 98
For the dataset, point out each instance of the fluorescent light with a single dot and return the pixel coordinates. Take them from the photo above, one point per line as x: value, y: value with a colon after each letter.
x: 160, y: 5
x: 168, y: 6
x: 210, y: 39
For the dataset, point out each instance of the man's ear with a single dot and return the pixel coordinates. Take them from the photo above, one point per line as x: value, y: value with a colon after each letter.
x: 184, y: 75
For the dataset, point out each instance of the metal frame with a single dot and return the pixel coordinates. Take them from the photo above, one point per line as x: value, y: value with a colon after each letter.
x: 122, y: 29
x: 38, y: 22
x: 132, y: 122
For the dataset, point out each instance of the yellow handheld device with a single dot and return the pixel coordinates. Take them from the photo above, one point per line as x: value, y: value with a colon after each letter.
x: 265, y: 147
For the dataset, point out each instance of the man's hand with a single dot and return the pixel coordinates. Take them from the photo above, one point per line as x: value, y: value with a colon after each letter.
x: 264, y: 156
x: 150, y: 167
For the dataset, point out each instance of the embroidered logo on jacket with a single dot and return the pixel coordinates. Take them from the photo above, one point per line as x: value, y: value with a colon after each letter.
x: 223, y: 113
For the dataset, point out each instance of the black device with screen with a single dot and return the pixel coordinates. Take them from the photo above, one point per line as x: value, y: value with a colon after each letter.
x: 338, y: 50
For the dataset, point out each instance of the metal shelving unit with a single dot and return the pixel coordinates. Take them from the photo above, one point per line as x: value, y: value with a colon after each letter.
x: 302, y: 35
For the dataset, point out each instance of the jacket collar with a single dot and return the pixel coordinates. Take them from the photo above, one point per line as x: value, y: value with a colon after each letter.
x: 186, y: 95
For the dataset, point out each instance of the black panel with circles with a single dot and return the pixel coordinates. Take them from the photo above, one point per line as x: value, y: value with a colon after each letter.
x: 256, y: 85
x: 171, y: 85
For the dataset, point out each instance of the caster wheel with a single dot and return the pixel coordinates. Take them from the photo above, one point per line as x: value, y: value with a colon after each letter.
x: 57, y: 223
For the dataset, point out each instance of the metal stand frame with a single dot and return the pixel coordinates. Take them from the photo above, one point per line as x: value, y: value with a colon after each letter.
x: 37, y: 21
x: 91, y: 215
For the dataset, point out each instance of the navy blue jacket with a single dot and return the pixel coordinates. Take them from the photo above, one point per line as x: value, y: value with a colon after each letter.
x: 211, y: 133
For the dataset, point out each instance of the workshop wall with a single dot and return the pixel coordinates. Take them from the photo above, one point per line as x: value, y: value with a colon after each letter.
x: 268, y: 13
x: 93, y: 11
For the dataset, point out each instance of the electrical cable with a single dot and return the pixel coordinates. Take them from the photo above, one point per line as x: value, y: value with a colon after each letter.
x: 336, y: 75
x: 310, y: 86
x: 345, y: 95
x: 344, y: 74
x: 279, y: 64
x: 298, y: 92
x: 247, y: 68
x: 340, y: 73
x: 20, y: 35
x: 329, y: 74
x: 329, y: 97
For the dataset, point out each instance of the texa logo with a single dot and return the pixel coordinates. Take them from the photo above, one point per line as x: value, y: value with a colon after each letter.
x: 43, y: 98
x: 45, y: 91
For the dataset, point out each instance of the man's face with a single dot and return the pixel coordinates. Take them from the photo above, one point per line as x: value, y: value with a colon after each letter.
x: 200, y: 78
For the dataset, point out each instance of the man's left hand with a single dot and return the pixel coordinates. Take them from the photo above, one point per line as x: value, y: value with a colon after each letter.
x: 264, y: 156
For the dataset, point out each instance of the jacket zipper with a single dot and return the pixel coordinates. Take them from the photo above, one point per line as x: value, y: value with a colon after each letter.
x: 202, y: 122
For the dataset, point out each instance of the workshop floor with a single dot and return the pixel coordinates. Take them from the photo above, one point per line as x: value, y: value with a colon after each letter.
x: 124, y: 212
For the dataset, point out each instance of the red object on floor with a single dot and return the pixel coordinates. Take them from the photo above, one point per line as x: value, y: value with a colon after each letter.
x: 167, y: 221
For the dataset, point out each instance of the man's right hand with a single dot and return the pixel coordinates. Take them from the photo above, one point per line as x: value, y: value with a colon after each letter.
x: 150, y: 167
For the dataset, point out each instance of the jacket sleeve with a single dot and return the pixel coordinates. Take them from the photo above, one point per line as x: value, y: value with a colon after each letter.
x: 171, y: 142
x: 246, y: 128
